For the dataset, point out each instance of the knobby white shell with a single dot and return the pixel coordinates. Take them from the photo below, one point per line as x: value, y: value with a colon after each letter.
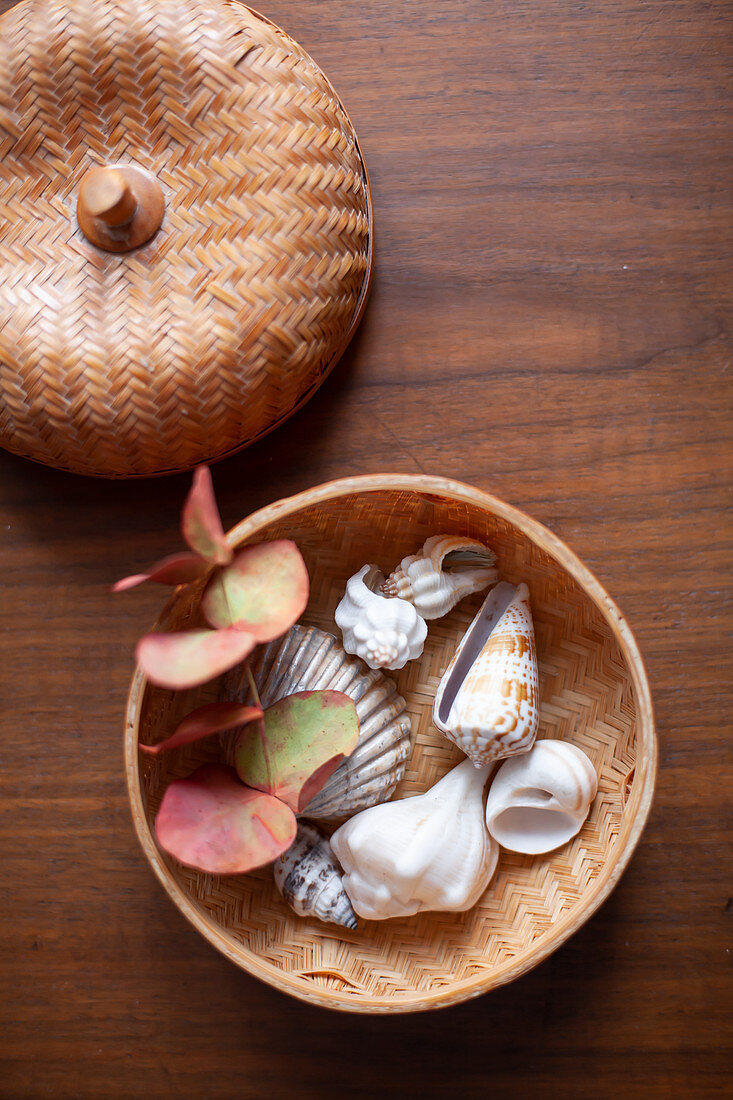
x: 309, y: 879
x: 384, y: 633
x: 445, y: 571
x: 428, y: 852
x: 540, y: 800
x: 488, y: 699
x: 308, y: 659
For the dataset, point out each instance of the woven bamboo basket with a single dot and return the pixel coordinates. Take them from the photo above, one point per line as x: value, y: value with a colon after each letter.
x: 131, y: 346
x: 594, y: 692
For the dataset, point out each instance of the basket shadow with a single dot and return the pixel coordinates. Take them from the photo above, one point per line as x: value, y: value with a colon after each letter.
x: 509, y: 1031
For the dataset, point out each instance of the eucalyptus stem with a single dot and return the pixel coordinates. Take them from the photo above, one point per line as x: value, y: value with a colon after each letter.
x: 253, y: 686
x: 261, y: 720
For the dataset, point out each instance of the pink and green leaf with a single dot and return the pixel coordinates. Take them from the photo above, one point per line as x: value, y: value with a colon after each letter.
x: 204, y: 721
x: 201, y: 523
x: 298, y: 744
x: 175, y: 569
x: 192, y: 657
x: 264, y: 590
x: 212, y: 822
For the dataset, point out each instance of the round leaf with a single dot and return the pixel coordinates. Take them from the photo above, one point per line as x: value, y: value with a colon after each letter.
x: 212, y: 822
x: 263, y: 590
x: 298, y: 745
x: 192, y: 657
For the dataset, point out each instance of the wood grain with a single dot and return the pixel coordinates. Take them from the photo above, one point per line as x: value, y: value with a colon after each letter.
x: 550, y: 321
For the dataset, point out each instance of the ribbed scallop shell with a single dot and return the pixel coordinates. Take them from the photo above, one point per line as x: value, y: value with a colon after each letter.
x: 308, y: 659
x: 309, y: 879
x: 539, y: 800
x: 488, y: 699
x: 446, y: 570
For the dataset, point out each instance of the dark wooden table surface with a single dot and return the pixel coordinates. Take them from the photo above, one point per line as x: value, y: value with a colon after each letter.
x: 548, y: 322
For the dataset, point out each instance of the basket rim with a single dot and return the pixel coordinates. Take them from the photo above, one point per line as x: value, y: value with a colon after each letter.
x: 594, y: 896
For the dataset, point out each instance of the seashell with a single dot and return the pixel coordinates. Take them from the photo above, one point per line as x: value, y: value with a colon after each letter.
x: 309, y: 879
x: 428, y: 852
x: 308, y: 659
x: 385, y: 633
x: 488, y: 699
x: 540, y: 800
x: 445, y: 571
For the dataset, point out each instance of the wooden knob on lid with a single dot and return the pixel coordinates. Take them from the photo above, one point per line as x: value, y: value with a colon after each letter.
x: 119, y: 207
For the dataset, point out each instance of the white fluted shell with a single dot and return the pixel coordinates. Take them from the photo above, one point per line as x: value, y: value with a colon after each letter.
x: 430, y: 852
x: 446, y: 570
x: 309, y: 879
x: 385, y: 633
x: 488, y: 698
x: 308, y: 659
x: 540, y: 800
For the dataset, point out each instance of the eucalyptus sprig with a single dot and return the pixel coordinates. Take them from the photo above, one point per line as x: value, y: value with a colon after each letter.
x: 251, y: 595
x: 229, y: 820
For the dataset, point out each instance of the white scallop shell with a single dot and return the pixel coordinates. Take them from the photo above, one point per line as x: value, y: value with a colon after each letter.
x: 430, y: 852
x: 385, y: 633
x: 488, y: 698
x: 308, y: 659
x: 309, y: 879
x: 445, y: 571
x: 540, y: 800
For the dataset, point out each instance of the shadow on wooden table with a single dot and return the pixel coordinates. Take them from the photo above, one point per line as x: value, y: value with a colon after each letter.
x: 525, y: 1030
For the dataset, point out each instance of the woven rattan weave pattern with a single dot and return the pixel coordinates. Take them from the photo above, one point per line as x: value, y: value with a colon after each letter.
x: 230, y: 317
x: 588, y: 696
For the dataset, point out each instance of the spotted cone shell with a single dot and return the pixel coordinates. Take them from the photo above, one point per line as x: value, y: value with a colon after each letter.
x: 488, y: 699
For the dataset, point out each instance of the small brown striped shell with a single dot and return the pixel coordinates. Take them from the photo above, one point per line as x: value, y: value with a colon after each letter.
x: 309, y: 879
x: 446, y: 570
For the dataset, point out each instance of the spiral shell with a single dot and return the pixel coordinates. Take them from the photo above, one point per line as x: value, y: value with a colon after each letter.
x: 308, y: 659
x: 540, y: 800
x: 488, y: 699
x: 429, y: 852
x: 385, y: 633
x: 445, y: 571
x: 309, y: 879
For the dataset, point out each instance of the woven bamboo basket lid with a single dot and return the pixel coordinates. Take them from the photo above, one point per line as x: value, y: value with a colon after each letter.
x: 593, y: 693
x: 186, y: 231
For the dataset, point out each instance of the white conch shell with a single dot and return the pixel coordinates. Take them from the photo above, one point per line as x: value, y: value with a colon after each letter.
x: 428, y: 852
x: 385, y: 633
x: 488, y: 699
x: 446, y: 570
x: 308, y: 659
x: 540, y: 800
x: 309, y: 879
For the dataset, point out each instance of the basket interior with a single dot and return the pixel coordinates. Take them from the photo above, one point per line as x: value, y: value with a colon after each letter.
x: 587, y: 697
